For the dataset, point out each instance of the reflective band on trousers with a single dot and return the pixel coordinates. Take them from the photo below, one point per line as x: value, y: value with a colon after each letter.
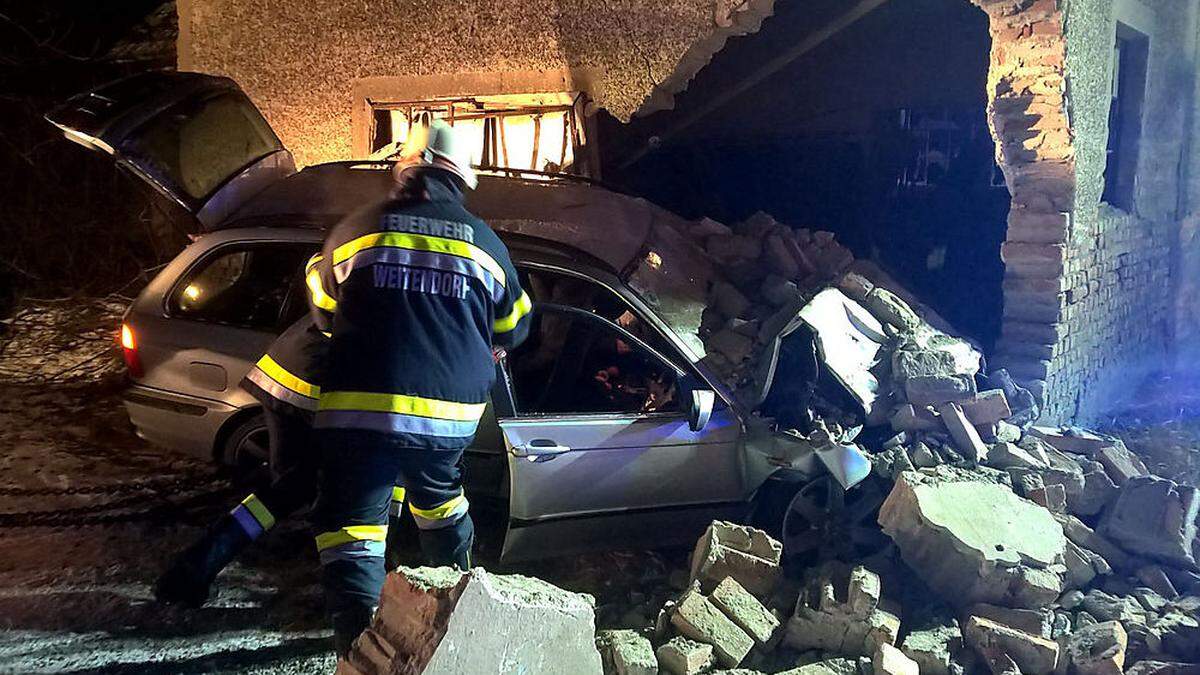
x: 353, y: 550
x: 418, y: 242
x: 352, y: 541
x: 399, y: 413
x: 351, y: 533
x: 520, y: 308
x: 253, y: 516
x: 441, y: 516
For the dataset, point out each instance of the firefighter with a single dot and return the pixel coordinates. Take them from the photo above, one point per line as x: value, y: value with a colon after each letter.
x: 424, y: 292
x: 283, y: 380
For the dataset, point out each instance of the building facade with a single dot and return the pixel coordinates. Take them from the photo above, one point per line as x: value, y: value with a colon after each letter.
x: 1090, y: 106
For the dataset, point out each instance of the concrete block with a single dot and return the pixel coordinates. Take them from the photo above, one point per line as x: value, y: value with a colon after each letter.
x: 744, y: 610
x: 933, y: 648
x: 889, y: 308
x: 1120, y: 463
x: 1155, y: 518
x: 1008, y: 455
x: 1070, y: 439
x: 730, y: 550
x: 632, y: 654
x: 891, y: 661
x: 987, y: 407
x: 681, y: 656
x: 1034, y: 655
x: 966, y: 437
x: 1098, y: 649
x: 1155, y: 578
x: 836, y: 666
x: 1032, y: 621
x: 697, y: 618
x: 1087, y: 538
x: 908, y: 417
x: 934, y: 389
x: 429, y: 622
x: 976, y: 542
x: 827, y: 619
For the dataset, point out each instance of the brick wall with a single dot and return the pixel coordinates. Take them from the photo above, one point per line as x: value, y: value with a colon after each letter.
x: 1087, y: 288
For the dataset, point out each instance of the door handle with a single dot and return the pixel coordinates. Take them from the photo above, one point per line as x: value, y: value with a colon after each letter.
x: 539, y: 448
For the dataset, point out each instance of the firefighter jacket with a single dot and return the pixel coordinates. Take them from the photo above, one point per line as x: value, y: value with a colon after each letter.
x: 416, y: 291
x: 286, y: 378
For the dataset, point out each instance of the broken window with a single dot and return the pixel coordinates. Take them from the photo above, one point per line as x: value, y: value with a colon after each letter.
x: 536, y: 132
x: 588, y: 353
x: 1130, y: 52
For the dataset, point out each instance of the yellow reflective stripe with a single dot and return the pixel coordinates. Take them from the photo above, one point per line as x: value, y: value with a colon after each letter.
x: 520, y: 308
x: 420, y: 242
x: 312, y: 262
x: 438, y: 512
x: 398, y: 494
x: 402, y: 404
x: 351, y: 534
x: 259, y: 510
x: 282, y: 376
x: 319, y: 297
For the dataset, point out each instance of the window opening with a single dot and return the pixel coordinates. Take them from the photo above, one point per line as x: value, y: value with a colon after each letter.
x: 536, y: 132
x: 1128, y: 91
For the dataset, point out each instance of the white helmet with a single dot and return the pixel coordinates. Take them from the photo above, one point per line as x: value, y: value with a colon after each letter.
x: 433, y: 143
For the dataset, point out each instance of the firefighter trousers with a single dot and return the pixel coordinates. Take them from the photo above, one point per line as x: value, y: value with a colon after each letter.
x: 358, y: 470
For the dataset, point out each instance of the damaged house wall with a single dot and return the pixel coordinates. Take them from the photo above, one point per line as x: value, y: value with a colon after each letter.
x: 1087, y: 286
x: 299, y: 60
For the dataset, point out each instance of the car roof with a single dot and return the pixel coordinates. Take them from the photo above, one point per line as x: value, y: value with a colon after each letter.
x: 610, y: 226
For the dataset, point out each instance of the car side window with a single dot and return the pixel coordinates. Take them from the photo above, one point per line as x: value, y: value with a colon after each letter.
x: 246, y: 286
x: 583, y: 354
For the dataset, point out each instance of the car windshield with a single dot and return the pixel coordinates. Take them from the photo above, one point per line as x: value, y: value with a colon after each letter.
x: 672, y: 277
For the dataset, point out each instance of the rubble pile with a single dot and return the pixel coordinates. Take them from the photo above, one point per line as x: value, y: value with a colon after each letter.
x: 1014, y: 548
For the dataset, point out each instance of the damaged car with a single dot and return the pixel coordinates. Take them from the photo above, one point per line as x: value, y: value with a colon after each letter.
x: 605, y: 429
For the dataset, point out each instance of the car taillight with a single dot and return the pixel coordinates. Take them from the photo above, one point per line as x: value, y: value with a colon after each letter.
x: 129, y: 351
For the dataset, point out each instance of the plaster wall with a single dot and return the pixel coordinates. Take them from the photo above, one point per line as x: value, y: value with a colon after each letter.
x: 301, y: 60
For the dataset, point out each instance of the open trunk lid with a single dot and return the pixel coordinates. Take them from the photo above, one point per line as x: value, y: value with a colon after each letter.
x: 196, y: 139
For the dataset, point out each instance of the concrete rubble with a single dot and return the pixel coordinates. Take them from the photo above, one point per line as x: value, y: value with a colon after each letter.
x: 429, y: 621
x: 1006, y: 547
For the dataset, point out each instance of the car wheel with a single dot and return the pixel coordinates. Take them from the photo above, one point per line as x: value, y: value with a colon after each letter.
x: 247, y: 449
x: 825, y: 521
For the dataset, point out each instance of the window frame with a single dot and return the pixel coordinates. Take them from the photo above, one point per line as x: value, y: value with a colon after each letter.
x: 575, y: 124
x: 202, y: 261
x: 682, y: 367
x: 1129, y: 84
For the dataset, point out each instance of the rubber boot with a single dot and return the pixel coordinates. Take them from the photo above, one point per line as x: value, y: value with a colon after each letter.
x: 189, y: 579
x: 450, y: 546
x: 348, y: 624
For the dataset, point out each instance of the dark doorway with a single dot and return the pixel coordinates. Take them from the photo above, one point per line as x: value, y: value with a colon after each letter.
x: 879, y: 134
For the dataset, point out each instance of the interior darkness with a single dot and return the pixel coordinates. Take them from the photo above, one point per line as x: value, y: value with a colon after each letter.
x: 879, y: 135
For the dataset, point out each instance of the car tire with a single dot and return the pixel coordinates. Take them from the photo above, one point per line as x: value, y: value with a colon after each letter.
x: 246, y: 449
x: 818, y: 520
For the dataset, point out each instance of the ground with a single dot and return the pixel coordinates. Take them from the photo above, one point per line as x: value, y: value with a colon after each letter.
x: 89, y: 515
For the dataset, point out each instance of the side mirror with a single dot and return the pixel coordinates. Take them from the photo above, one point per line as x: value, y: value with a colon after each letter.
x: 701, y: 408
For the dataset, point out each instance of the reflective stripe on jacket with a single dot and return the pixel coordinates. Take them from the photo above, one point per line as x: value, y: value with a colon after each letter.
x: 286, y: 378
x: 421, y: 290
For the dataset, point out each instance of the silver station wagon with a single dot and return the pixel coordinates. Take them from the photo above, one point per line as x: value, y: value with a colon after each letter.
x: 604, y: 430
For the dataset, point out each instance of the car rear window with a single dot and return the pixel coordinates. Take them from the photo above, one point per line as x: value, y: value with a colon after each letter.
x: 199, y: 145
x: 251, y: 286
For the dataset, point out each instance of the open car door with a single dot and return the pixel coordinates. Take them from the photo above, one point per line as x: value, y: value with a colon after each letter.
x: 196, y: 139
